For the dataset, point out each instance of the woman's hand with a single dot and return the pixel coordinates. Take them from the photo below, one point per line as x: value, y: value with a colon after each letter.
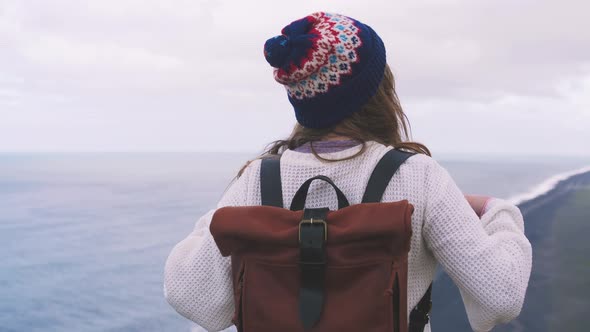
x: 478, y: 203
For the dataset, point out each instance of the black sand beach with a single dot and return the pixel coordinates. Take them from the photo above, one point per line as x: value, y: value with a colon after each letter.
x: 558, y: 225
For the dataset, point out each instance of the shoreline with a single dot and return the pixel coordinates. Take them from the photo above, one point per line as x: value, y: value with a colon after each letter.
x: 546, y: 186
x: 561, y: 184
x: 556, y: 224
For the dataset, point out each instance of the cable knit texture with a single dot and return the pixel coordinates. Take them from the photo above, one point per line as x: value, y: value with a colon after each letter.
x: 488, y: 259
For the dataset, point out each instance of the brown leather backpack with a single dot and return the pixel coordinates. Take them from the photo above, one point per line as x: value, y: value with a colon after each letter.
x: 315, y: 270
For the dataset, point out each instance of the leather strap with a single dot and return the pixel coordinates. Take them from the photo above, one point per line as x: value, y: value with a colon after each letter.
x: 312, y: 237
x: 382, y: 174
x: 271, y: 191
x: 378, y: 182
x: 312, y: 265
x: 298, y: 202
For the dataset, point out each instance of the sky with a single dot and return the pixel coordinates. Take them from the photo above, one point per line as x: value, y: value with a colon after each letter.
x: 474, y: 77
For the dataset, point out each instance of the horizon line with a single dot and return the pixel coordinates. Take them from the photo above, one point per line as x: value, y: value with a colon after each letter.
x: 444, y: 154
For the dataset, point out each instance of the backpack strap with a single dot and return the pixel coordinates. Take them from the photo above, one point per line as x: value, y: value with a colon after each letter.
x: 420, y: 315
x: 378, y: 182
x: 271, y: 190
x: 383, y: 173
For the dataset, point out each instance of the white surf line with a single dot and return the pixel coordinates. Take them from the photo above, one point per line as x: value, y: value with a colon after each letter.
x: 546, y: 186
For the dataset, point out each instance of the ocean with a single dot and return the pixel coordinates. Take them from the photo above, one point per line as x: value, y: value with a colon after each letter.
x: 85, y: 236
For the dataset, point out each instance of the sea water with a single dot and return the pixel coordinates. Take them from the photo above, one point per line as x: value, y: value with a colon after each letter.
x: 84, y: 237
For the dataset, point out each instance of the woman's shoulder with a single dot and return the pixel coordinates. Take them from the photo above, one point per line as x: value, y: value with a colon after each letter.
x: 417, y: 161
x: 428, y: 170
x: 419, y: 169
x: 250, y: 169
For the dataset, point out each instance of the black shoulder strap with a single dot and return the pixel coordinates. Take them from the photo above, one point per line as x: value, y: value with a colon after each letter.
x: 378, y: 182
x: 420, y: 315
x: 383, y: 173
x: 271, y: 190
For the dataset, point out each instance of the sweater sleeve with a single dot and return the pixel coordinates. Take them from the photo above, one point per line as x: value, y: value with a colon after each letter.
x: 197, y: 279
x: 488, y: 259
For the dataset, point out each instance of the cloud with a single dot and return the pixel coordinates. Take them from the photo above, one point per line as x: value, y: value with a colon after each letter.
x: 190, y: 69
x: 483, y: 50
x: 57, y: 51
x: 10, y: 93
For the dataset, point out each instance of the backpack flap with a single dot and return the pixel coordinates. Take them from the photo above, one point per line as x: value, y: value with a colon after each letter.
x: 361, y: 244
x: 262, y: 229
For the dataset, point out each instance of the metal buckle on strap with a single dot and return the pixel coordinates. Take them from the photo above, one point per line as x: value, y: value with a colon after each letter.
x: 311, y: 222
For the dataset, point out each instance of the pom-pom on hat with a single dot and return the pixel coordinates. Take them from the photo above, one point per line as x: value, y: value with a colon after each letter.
x: 330, y: 64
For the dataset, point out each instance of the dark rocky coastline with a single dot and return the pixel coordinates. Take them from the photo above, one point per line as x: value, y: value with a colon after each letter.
x: 557, y: 225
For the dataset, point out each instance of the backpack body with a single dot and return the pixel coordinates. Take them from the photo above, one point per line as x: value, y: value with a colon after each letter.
x: 317, y: 270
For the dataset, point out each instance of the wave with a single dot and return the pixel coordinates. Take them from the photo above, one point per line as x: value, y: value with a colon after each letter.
x: 546, y: 186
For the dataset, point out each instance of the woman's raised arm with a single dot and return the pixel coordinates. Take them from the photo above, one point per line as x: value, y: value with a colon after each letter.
x: 488, y: 259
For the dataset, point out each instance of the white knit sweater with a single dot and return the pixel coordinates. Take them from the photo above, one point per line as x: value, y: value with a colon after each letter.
x: 488, y: 259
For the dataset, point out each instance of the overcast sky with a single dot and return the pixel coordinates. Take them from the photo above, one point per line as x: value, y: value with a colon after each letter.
x: 189, y: 75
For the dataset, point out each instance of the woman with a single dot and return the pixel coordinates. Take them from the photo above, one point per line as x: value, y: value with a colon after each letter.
x: 349, y: 116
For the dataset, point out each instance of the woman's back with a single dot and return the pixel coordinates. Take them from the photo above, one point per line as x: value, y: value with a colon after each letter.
x: 489, y: 259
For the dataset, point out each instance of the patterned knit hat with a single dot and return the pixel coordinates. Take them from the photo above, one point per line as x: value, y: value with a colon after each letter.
x: 330, y: 65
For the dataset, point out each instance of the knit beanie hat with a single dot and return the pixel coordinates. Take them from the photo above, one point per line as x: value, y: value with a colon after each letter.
x: 330, y: 64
